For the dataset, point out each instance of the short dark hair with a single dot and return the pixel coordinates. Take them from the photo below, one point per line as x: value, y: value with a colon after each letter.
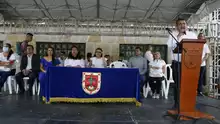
x: 62, y: 52
x: 138, y: 48
x: 89, y: 55
x: 29, y: 34
x: 8, y: 45
x: 31, y: 46
x: 180, y: 19
x: 100, y: 50
x: 78, y: 56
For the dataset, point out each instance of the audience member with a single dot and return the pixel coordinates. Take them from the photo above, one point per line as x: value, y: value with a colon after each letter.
x: 88, y: 59
x: 149, y: 55
x: 205, y: 54
x: 74, y: 59
x: 122, y: 59
x: 149, y: 58
x: 30, y: 67
x: 62, y: 58
x: 156, y: 74
x: 108, y: 59
x: 7, y: 62
x: 98, y: 61
x: 138, y: 61
x: 24, y: 44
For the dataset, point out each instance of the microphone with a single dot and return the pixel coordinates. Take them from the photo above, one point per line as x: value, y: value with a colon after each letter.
x: 168, y: 29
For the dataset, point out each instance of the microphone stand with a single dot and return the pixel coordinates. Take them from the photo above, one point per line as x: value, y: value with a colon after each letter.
x: 178, y: 74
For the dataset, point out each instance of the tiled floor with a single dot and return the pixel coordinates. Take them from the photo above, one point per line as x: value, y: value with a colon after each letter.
x: 28, y: 110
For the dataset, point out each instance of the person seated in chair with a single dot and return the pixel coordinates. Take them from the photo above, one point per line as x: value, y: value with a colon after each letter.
x: 47, y: 61
x: 74, y: 59
x: 98, y: 61
x: 121, y: 59
x: 156, y: 74
x: 7, y: 62
x: 30, y: 67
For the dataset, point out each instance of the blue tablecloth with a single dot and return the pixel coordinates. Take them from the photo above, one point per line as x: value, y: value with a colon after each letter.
x: 65, y: 84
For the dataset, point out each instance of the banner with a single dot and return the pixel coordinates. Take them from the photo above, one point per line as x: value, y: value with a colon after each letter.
x: 88, y: 85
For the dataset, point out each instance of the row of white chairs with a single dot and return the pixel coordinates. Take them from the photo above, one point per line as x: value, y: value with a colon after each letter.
x: 11, y: 82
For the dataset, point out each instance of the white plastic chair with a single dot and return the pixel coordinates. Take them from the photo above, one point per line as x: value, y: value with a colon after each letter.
x: 34, y: 88
x: 168, y: 80
x: 38, y: 89
x: 117, y: 64
x: 165, y: 87
x: 9, y: 83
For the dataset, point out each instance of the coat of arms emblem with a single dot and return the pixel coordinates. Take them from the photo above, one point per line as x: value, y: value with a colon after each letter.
x: 190, y: 58
x: 91, y: 82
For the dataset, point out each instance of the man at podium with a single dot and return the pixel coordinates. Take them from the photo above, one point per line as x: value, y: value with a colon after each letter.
x: 180, y: 33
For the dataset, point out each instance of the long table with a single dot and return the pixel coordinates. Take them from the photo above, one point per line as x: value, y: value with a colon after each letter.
x: 88, y: 85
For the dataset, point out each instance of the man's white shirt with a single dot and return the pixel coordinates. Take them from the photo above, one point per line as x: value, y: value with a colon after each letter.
x: 205, y: 51
x: 172, y: 43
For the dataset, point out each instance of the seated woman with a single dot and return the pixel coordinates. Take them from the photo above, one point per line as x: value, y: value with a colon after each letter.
x: 157, y: 69
x: 7, y: 63
x: 47, y: 61
x: 98, y: 61
x: 74, y: 59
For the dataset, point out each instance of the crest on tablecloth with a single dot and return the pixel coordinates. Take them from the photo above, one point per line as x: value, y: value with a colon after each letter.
x: 91, y: 82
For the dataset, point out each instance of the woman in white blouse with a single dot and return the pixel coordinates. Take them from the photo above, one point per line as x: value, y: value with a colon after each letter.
x: 157, y: 69
x: 98, y: 61
x: 7, y: 63
x: 74, y: 59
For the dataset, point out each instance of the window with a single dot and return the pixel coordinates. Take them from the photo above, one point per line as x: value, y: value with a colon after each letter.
x: 128, y: 50
x: 41, y: 47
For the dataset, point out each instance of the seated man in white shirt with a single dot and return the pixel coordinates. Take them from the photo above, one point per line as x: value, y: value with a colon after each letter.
x: 205, y: 54
x: 7, y: 64
x: 30, y: 67
x: 180, y: 33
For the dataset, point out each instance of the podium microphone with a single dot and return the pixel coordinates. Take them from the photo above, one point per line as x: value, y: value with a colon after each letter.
x: 168, y: 29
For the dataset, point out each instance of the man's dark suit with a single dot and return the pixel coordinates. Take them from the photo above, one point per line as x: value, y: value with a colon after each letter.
x: 35, y: 63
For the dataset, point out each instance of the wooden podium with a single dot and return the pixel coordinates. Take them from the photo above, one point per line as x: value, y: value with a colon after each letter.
x: 191, y: 59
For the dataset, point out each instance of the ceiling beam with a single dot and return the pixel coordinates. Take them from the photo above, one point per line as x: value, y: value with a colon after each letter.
x: 37, y: 5
x: 115, y: 9
x: 180, y: 12
x: 80, y: 9
x: 15, y: 11
x: 98, y: 9
x: 47, y: 10
x: 128, y: 6
x: 158, y: 5
x: 68, y: 6
x: 148, y: 10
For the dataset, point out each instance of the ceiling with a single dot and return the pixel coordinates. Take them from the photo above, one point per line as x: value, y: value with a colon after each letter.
x: 165, y: 11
